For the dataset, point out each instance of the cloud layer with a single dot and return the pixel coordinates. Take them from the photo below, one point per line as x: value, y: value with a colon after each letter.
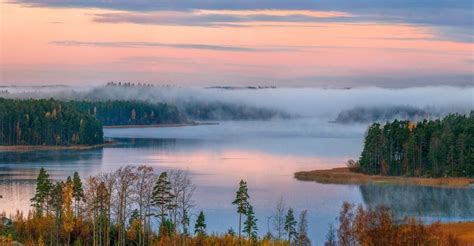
x: 151, y: 44
x: 330, y: 43
x: 437, y: 12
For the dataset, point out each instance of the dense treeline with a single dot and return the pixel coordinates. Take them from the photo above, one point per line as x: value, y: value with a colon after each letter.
x: 46, y: 122
x: 52, y: 122
x: 130, y: 112
x: 385, y: 113
x: 134, y: 206
x: 431, y: 148
x: 192, y: 104
x: 227, y: 111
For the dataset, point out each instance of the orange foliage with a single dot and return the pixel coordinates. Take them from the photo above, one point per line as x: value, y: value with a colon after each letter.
x: 411, y: 125
x: 224, y: 240
x: 378, y: 227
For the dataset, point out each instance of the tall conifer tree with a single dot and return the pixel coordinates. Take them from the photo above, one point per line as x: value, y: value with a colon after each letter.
x: 78, y: 192
x: 161, y: 196
x: 200, y: 226
x: 250, y: 225
x: 43, y: 189
x: 290, y: 225
x: 242, y: 202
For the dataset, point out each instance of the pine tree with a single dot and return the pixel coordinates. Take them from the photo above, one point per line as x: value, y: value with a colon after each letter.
x: 242, y: 202
x: 200, y: 226
x: 331, y: 236
x: 43, y: 189
x: 290, y: 224
x: 434, y: 148
x: 56, y: 202
x: 185, y: 222
x: 161, y: 196
x: 250, y: 225
x: 78, y: 192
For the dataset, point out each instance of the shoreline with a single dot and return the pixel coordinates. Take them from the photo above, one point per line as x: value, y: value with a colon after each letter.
x: 343, y: 175
x: 30, y: 148
x: 162, y: 125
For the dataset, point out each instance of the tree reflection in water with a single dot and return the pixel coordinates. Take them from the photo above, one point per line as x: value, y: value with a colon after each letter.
x: 427, y: 203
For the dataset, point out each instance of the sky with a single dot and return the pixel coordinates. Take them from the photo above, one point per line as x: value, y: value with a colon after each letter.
x: 286, y: 43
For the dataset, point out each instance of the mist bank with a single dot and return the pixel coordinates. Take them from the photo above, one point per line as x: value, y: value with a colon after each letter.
x: 180, y: 104
x: 389, y: 113
x: 120, y: 113
x: 278, y: 102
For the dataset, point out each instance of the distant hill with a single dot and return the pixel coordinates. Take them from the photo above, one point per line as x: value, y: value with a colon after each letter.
x: 382, y: 114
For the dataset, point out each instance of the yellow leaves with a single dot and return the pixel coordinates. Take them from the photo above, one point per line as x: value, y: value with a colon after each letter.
x: 411, y: 125
x: 68, y: 213
x: 40, y: 241
x: 212, y: 240
x: 6, y: 240
x: 134, y: 229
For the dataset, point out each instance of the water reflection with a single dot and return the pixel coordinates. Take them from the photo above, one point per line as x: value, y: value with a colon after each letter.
x: 217, y: 164
x: 50, y: 156
x: 428, y: 203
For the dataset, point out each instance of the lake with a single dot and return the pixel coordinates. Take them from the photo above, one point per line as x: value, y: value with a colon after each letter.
x: 264, y: 153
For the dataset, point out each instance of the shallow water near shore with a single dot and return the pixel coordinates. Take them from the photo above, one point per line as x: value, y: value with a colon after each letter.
x: 265, y: 154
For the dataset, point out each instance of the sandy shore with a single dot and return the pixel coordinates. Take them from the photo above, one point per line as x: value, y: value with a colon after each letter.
x: 29, y: 148
x: 345, y: 176
x: 161, y: 125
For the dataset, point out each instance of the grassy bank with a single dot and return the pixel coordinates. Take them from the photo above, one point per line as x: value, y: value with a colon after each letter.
x: 29, y: 148
x: 345, y: 176
x: 464, y: 231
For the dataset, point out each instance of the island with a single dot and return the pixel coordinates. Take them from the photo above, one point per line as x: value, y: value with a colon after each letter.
x: 430, y: 152
x: 49, y: 124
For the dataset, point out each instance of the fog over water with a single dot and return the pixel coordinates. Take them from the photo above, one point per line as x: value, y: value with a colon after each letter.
x: 306, y: 102
x: 264, y: 153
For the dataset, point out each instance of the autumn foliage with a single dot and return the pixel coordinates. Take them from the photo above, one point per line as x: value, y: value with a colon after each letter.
x: 123, y: 208
x: 378, y: 226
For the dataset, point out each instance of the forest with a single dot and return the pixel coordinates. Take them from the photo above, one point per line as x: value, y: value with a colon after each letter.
x: 46, y: 122
x: 384, y: 113
x: 227, y: 111
x: 429, y: 148
x: 112, y: 113
x: 135, y: 206
x: 192, y: 104
x: 53, y: 122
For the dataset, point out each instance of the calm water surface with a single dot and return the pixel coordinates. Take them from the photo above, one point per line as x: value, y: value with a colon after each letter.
x: 265, y: 154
